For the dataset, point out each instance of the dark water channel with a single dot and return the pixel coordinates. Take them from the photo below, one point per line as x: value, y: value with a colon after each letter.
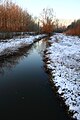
x: 25, y: 92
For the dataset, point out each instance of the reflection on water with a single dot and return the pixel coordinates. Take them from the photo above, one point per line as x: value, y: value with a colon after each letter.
x: 41, y: 46
x: 25, y: 93
x: 11, y: 61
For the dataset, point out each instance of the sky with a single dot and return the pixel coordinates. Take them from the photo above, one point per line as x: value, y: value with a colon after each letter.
x: 63, y: 9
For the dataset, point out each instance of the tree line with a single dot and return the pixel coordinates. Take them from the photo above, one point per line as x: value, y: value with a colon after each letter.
x: 74, y: 28
x: 14, y: 19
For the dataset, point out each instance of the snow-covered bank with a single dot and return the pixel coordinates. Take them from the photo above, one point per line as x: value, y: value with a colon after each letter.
x: 64, y: 61
x: 12, y: 45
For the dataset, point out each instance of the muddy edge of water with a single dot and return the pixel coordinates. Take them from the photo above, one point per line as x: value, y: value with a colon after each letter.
x: 55, y: 89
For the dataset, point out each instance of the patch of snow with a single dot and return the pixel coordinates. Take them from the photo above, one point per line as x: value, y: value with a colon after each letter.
x: 64, y: 61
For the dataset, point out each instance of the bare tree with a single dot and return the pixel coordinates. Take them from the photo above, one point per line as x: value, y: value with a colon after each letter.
x: 47, y: 20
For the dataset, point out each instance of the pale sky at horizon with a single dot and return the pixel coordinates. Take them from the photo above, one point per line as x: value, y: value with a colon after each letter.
x: 64, y: 9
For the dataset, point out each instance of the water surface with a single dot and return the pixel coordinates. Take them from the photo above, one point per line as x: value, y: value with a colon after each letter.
x: 25, y: 92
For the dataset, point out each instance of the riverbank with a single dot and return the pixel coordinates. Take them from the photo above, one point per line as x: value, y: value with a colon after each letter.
x: 63, y: 64
x: 11, y: 46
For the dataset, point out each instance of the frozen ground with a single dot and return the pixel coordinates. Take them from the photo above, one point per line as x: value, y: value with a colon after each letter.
x: 12, y: 45
x: 64, y: 62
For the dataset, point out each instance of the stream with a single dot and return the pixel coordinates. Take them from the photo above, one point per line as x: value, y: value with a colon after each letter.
x: 25, y: 91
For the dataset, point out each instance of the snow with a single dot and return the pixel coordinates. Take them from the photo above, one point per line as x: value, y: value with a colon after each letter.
x: 64, y: 61
x: 12, y: 45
